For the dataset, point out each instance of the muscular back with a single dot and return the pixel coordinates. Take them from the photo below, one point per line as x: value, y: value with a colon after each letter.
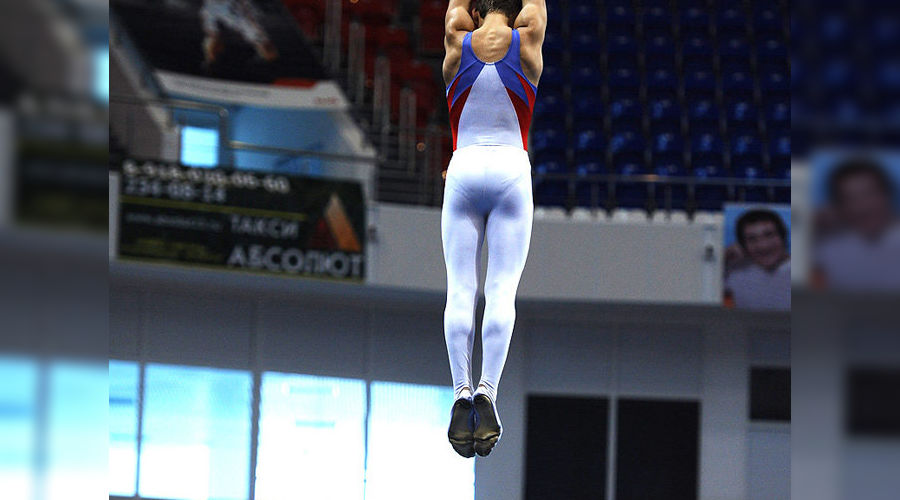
x: 491, y: 42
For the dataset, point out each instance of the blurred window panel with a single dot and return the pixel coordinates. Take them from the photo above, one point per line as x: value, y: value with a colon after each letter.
x: 123, y: 421
x: 406, y: 421
x: 196, y: 433
x: 873, y: 402
x: 311, y: 438
x: 18, y: 428
x: 77, y: 423
x: 199, y: 146
x: 101, y: 73
x: 770, y: 394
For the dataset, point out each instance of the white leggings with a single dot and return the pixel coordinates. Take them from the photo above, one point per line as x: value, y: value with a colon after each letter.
x: 487, y: 194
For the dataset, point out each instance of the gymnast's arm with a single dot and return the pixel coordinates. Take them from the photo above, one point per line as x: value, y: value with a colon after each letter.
x: 532, y: 25
x: 457, y: 23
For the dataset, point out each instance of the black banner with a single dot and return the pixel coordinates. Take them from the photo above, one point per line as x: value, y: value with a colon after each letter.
x: 242, y: 219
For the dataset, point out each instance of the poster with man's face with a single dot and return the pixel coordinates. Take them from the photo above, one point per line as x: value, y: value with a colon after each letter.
x: 757, y: 256
x: 856, y: 223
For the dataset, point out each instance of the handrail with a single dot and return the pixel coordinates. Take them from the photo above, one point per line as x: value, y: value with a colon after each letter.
x: 246, y: 146
x: 662, y: 179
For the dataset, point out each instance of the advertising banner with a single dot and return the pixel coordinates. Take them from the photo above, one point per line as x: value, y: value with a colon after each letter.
x: 242, y: 220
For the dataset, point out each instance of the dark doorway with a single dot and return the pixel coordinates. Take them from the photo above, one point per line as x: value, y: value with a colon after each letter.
x: 566, y: 448
x: 657, y: 450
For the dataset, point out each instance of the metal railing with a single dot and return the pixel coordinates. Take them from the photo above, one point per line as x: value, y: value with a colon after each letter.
x: 146, y: 142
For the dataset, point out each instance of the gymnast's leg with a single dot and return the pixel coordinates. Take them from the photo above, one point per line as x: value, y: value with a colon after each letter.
x: 508, y: 237
x: 462, y: 233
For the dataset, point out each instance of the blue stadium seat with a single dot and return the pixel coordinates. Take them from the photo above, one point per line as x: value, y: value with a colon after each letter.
x: 734, y: 49
x: 670, y: 195
x: 551, y: 78
x: 660, y: 44
x: 775, y: 82
x: 664, y: 111
x: 556, y: 16
x: 626, y: 146
x: 631, y: 194
x: 549, y: 143
x: 710, y: 197
x: 584, y: 30
x: 587, y: 78
x: 550, y: 167
x: 838, y: 75
x: 698, y: 52
x: 755, y: 194
x: 778, y: 113
x: 626, y: 141
x: 771, y: 49
x: 585, y: 45
x: 620, y: 17
x: 705, y: 147
x: 590, y: 166
x: 731, y: 20
x: 592, y: 194
x: 694, y: 20
x: 657, y: 19
x: 674, y: 168
x: 590, y: 141
x: 624, y: 82
x: 586, y: 3
x: 587, y: 104
x: 549, y: 109
x: 767, y: 20
x: 582, y: 14
x: 742, y: 111
x: 667, y: 146
x: 738, y: 84
x: 885, y: 36
x: 553, y: 45
x: 550, y: 192
x: 783, y: 194
x: 887, y: 76
x: 661, y: 83
x: 624, y: 111
x: 780, y: 150
x: 556, y: 123
x: 703, y: 114
x: 660, y: 52
x: 662, y: 4
x: 746, y: 146
x: 834, y: 31
x: 622, y: 51
x: 700, y: 83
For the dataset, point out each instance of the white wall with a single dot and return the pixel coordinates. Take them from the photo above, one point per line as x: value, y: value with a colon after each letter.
x: 252, y: 322
x: 569, y: 259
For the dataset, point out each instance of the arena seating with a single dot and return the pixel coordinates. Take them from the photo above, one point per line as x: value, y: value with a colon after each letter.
x: 684, y: 88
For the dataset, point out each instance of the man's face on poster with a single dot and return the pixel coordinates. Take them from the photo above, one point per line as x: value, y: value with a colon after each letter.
x: 764, y: 244
x: 863, y: 205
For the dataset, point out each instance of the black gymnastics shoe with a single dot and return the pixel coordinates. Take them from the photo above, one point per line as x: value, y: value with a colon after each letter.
x: 462, y: 423
x: 488, y: 429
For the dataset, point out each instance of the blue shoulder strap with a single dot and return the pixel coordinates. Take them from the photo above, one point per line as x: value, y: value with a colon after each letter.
x: 468, y: 53
x: 514, y: 55
x: 511, y: 66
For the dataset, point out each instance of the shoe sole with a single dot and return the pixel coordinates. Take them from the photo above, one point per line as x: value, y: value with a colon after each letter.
x: 460, y: 432
x: 488, y: 431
